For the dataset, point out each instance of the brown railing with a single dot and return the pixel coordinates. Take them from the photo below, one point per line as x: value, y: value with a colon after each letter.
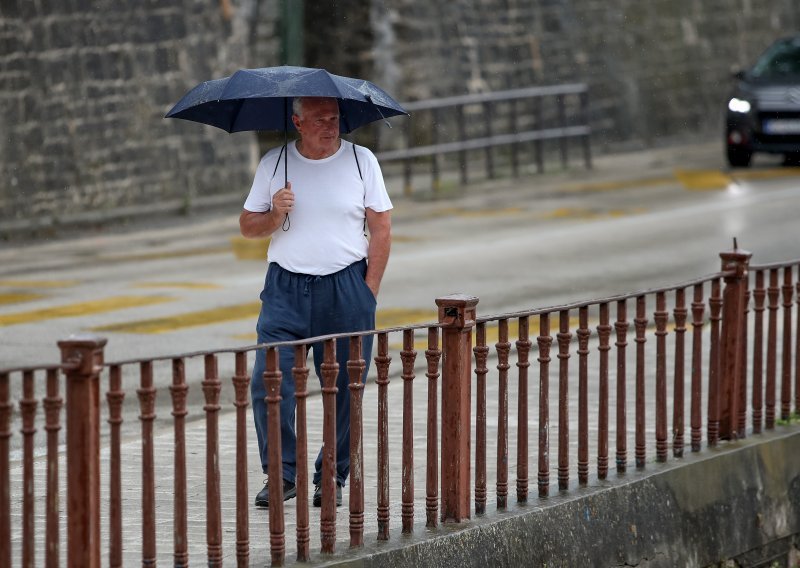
x: 720, y: 385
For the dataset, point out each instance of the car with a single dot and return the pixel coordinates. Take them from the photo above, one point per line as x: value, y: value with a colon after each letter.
x: 763, y: 113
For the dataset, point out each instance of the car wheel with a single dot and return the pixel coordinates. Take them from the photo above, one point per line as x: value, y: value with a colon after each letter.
x: 739, y: 156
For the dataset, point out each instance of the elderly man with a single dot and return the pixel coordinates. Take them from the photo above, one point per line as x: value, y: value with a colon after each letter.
x: 324, y: 273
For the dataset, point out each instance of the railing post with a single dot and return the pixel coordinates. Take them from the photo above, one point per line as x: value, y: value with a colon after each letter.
x: 457, y: 318
x: 735, y: 263
x: 84, y: 356
x: 272, y: 382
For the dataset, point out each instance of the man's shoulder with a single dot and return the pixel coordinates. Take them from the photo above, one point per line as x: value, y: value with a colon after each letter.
x: 273, y: 153
x: 362, y: 151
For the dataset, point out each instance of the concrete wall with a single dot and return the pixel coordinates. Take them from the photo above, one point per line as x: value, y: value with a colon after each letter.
x: 740, y: 502
x: 84, y: 83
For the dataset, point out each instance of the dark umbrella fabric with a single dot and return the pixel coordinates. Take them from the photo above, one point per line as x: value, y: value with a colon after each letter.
x: 261, y: 99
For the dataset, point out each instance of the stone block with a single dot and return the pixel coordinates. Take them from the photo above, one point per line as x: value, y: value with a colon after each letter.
x: 9, y: 9
x: 93, y: 65
x: 162, y: 26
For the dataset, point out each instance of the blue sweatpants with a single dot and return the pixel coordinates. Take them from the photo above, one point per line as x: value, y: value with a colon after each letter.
x: 298, y: 306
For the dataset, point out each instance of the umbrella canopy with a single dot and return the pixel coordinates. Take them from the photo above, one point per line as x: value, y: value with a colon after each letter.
x: 261, y: 99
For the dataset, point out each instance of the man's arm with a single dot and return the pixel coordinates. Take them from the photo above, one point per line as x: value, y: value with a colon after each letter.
x: 254, y: 225
x: 380, y: 242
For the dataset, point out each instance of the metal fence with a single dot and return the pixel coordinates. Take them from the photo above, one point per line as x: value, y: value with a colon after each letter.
x: 193, y: 477
x: 514, y: 121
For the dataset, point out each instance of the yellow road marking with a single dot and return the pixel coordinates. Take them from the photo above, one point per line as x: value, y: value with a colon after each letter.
x: 389, y: 317
x: 82, y: 309
x: 38, y: 283
x: 701, y: 180
x: 165, y: 254
x: 11, y: 298
x: 182, y: 285
x: 191, y: 319
x: 567, y: 212
x: 248, y: 337
x: 769, y: 173
x: 693, y: 180
x: 250, y: 249
x: 396, y: 317
x: 612, y: 185
x: 463, y: 212
x: 582, y: 213
x: 492, y: 332
x: 404, y: 239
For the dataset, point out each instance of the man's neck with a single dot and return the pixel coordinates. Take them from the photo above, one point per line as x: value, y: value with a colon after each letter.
x: 317, y: 153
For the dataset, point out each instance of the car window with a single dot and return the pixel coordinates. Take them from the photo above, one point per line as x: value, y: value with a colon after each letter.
x: 780, y: 60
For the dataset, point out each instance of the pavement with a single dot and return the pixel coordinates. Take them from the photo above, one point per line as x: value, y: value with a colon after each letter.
x: 686, y: 164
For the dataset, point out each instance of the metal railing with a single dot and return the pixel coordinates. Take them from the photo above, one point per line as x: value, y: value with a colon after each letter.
x: 726, y: 394
x: 513, y: 119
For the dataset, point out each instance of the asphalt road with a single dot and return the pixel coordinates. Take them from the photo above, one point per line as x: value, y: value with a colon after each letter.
x: 635, y: 221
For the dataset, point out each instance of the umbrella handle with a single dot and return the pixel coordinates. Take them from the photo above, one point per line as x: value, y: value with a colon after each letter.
x: 286, y: 222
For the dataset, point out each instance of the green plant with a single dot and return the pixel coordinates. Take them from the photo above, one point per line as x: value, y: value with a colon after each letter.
x: 794, y: 418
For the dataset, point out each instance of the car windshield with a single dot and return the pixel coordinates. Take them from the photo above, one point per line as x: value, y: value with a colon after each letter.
x: 780, y: 60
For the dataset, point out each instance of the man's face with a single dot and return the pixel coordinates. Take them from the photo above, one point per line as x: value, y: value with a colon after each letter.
x: 319, y: 125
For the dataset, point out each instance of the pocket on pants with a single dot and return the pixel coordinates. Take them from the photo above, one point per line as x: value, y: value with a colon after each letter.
x: 368, y: 292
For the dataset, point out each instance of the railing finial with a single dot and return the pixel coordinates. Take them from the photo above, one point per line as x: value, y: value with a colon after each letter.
x: 735, y: 244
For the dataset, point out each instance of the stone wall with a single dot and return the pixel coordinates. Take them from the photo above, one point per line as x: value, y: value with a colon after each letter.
x: 655, y: 69
x: 84, y: 84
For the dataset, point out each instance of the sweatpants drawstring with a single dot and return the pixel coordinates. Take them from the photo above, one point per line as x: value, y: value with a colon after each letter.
x: 307, y: 280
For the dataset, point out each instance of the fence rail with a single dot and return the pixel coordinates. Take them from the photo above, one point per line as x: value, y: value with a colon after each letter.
x: 703, y: 367
x: 485, y: 121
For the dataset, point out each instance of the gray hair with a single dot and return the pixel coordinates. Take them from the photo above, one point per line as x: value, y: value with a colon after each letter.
x: 298, y: 103
x: 297, y: 106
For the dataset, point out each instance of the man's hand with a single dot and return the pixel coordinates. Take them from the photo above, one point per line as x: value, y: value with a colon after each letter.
x: 283, y: 200
x: 254, y: 225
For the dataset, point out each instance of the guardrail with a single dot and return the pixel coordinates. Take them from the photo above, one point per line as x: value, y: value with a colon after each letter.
x: 182, y: 467
x: 512, y: 118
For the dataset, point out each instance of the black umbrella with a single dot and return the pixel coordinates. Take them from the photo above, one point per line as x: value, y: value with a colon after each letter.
x: 261, y: 99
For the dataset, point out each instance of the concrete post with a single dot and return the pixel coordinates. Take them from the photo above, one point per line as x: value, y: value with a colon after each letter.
x: 457, y: 318
x: 84, y: 355
x: 735, y: 263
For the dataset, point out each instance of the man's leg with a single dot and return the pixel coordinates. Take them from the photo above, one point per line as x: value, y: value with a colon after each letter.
x: 284, y: 316
x: 350, y: 307
x: 258, y: 392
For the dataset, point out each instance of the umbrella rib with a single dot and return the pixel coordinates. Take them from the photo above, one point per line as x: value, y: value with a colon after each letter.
x: 235, y: 117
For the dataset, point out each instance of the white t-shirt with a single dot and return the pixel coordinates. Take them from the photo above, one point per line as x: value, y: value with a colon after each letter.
x: 326, y: 233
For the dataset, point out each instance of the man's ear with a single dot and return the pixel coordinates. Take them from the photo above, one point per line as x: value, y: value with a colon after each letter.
x: 296, y: 121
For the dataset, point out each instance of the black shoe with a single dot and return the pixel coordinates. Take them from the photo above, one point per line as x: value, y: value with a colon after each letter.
x: 318, y: 495
x: 289, y: 491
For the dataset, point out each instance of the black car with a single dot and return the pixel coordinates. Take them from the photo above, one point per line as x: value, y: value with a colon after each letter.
x: 764, y: 108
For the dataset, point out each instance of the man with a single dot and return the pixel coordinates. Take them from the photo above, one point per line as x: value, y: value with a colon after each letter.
x: 324, y: 274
